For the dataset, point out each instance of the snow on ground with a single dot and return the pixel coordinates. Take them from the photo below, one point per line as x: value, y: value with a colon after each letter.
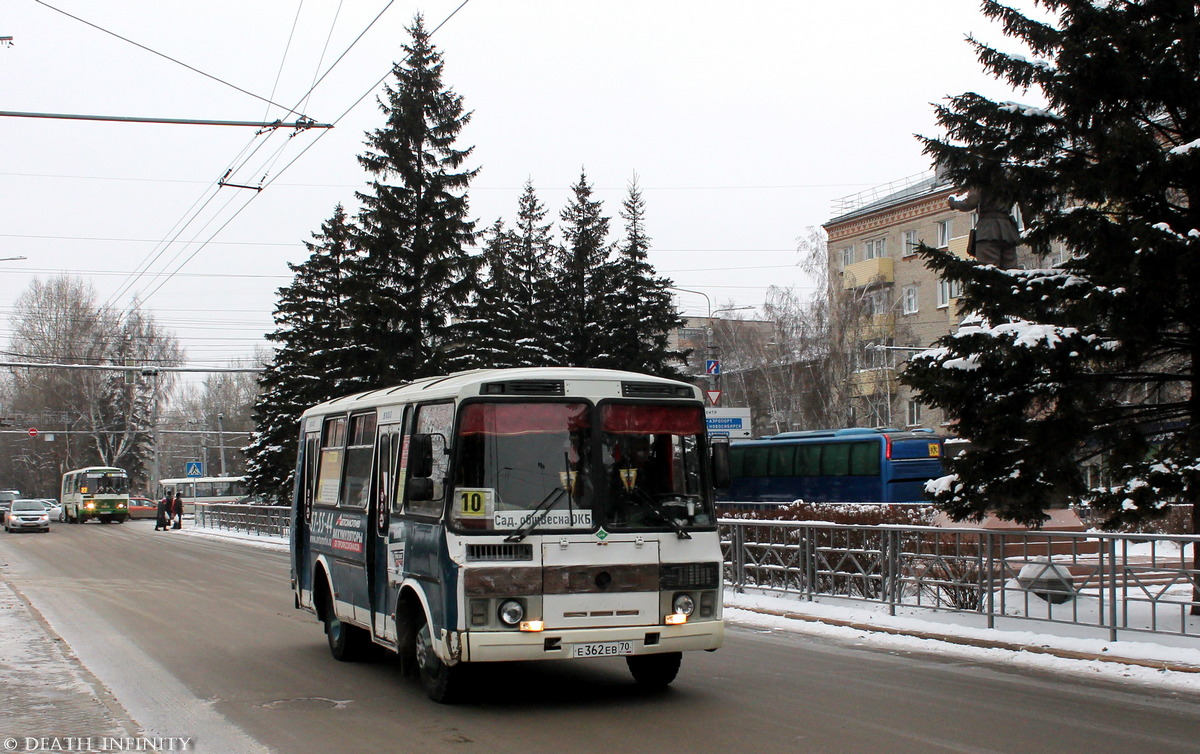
x: 1161, y: 661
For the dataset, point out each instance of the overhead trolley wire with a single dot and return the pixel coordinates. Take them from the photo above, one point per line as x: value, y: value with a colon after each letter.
x: 166, y: 57
x: 312, y: 143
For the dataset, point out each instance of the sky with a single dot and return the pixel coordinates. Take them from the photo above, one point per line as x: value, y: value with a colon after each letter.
x: 742, y: 123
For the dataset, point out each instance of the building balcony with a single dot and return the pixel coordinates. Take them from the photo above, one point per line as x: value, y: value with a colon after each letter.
x: 880, y: 270
x: 958, y: 246
x: 877, y: 327
x: 869, y: 382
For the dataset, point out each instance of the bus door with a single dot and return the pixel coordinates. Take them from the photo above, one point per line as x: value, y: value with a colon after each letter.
x: 387, y: 553
x: 302, y: 510
x: 354, y: 523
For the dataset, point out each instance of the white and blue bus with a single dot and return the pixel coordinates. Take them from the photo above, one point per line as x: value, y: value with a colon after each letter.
x: 515, y: 514
x: 855, y: 465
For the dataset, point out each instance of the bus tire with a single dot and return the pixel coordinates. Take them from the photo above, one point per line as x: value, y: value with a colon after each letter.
x: 442, y: 682
x: 347, y: 643
x: 654, y: 671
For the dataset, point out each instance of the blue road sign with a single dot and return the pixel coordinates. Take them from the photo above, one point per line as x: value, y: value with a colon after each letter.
x: 194, y: 468
x: 712, y: 366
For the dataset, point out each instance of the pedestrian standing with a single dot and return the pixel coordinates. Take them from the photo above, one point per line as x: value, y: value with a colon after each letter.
x: 163, y: 514
x: 177, y: 511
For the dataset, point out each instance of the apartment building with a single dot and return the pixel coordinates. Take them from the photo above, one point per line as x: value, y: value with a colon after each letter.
x: 906, y: 306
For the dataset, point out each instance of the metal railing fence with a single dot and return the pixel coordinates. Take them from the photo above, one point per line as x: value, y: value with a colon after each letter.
x: 1141, y: 583
x: 258, y: 520
x: 1119, y: 582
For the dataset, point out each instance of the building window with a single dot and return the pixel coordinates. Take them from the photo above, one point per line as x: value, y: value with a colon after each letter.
x: 946, y: 292
x: 943, y: 234
x: 911, y: 242
x: 908, y: 298
x: 877, y: 303
x: 847, y: 256
x: 914, y: 414
x: 876, y: 248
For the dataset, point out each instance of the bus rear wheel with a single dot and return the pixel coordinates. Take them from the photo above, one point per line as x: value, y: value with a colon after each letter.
x: 442, y: 682
x: 654, y: 671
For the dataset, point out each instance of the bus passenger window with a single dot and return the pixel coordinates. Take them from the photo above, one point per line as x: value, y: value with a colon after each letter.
x: 360, y: 447
x: 333, y: 440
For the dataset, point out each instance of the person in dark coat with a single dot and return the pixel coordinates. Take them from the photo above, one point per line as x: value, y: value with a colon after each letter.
x: 163, y: 517
x: 177, y: 511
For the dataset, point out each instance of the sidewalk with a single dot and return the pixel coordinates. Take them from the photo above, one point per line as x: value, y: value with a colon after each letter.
x: 47, y: 692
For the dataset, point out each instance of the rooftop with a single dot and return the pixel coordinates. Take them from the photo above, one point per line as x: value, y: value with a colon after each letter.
x: 885, y: 195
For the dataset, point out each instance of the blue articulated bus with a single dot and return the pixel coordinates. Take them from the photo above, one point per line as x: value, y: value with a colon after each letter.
x: 835, y: 466
x: 522, y: 514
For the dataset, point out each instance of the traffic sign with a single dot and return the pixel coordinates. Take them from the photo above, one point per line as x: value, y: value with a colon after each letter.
x: 33, y: 431
x: 194, y: 469
x: 714, y: 397
x: 712, y: 366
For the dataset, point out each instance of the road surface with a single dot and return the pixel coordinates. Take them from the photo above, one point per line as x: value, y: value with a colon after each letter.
x: 198, y: 637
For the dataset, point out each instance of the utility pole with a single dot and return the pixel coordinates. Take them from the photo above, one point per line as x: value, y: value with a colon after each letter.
x: 221, y: 439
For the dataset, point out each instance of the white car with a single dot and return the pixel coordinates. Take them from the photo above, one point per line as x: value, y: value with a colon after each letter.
x: 53, y: 507
x: 27, y: 514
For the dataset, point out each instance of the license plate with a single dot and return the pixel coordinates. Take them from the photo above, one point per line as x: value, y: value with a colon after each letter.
x: 602, y: 649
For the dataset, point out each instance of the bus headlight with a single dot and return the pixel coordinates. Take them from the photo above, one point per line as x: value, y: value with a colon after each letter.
x: 683, y: 604
x: 511, y: 612
x: 90, y: 506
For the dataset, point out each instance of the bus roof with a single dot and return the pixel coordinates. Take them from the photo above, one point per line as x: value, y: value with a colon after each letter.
x: 109, y: 469
x: 533, y: 382
x: 848, y: 434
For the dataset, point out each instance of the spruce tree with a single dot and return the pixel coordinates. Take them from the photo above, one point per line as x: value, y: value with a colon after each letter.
x: 508, y: 322
x: 485, y: 326
x: 583, y: 281
x: 640, y: 313
x: 414, y: 225
x: 315, y: 358
x: 1092, y: 362
x: 532, y: 254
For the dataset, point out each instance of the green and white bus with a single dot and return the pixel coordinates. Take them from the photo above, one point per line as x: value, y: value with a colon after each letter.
x: 97, y: 492
x: 518, y: 514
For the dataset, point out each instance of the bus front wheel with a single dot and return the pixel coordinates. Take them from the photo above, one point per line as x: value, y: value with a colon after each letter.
x: 347, y: 643
x: 442, y: 682
x: 654, y: 671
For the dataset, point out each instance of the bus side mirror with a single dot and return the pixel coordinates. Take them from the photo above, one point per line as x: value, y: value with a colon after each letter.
x: 720, y: 462
x: 419, y: 489
x: 420, y: 454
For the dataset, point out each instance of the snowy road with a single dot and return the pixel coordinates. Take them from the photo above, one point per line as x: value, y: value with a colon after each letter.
x: 197, y: 637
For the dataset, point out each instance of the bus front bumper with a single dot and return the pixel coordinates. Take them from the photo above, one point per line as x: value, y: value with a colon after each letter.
x: 501, y: 646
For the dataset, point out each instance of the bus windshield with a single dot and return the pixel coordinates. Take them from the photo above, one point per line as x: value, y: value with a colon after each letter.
x: 105, y: 483
x: 523, y: 463
x: 654, y: 467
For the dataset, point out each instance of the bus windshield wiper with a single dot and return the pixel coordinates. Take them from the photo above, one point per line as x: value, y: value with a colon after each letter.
x: 654, y: 505
x: 531, y: 523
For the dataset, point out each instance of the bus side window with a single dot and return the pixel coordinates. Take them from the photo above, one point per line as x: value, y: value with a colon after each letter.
x: 864, y: 459
x: 308, y: 489
x: 360, y: 447
x: 436, y: 421
x: 329, y: 474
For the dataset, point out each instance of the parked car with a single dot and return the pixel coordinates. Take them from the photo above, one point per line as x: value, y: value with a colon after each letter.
x: 6, y: 498
x: 142, y: 507
x: 27, y: 514
x: 53, y: 507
